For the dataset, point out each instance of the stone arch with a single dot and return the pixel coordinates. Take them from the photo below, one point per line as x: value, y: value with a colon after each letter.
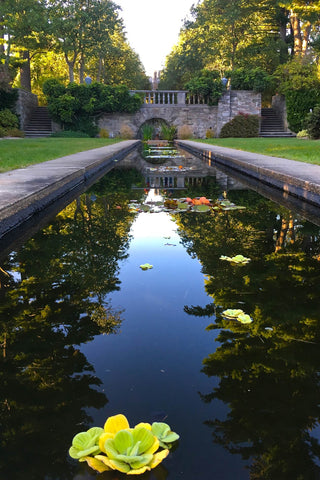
x: 155, y: 123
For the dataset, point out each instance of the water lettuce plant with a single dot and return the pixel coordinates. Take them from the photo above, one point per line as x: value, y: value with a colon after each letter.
x: 237, y: 314
x: 238, y: 259
x: 118, y: 447
x: 146, y: 266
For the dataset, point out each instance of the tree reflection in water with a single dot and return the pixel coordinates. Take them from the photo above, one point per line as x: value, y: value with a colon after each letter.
x: 268, y: 370
x: 54, y: 297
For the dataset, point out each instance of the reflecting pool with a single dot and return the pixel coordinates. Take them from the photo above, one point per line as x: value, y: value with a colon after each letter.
x: 86, y: 333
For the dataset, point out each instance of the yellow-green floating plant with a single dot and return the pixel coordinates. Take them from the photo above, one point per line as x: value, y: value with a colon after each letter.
x: 238, y: 259
x: 237, y: 314
x: 118, y: 447
x: 146, y: 266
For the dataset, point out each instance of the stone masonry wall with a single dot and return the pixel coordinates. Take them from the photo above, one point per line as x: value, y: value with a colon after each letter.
x: 199, y: 117
x: 279, y: 106
x: 26, y: 103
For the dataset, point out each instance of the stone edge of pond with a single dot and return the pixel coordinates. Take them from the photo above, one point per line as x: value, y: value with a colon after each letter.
x: 27, y: 191
x: 299, y: 179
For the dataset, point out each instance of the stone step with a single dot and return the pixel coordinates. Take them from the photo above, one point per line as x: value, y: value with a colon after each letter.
x: 39, y: 124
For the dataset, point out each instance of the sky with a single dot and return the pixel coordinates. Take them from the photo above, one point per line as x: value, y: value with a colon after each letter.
x: 153, y: 27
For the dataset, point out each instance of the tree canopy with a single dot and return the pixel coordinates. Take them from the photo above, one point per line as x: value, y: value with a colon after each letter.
x: 225, y: 36
x: 66, y: 39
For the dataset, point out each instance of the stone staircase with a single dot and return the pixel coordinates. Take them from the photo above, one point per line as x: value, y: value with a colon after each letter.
x: 272, y: 125
x: 39, y: 124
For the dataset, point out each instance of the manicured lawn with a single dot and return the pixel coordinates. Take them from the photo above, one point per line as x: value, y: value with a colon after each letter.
x: 295, y: 149
x: 18, y: 153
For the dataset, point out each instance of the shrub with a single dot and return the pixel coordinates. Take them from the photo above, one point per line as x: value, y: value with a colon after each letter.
x: 69, y: 134
x: 8, y: 98
x: 8, y: 119
x: 168, y: 132
x: 250, y: 79
x: 210, y: 133
x: 103, y: 133
x: 147, y: 131
x: 14, y: 132
x: 302, y: 134
x: 241, y: 125
x: 184, y: 132
x: 126, y: 132
x: 3, y: 132
x: 208, y: 85
x: 298, y: 81
x: 299, y: 103
x: 75, y: 107
x: 313, y: 123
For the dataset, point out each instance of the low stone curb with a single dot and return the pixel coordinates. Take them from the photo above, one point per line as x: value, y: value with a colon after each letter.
x: 299, y: 179
x: 28, y: 191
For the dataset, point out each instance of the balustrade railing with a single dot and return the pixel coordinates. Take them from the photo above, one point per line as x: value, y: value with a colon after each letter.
x: 169, y: 97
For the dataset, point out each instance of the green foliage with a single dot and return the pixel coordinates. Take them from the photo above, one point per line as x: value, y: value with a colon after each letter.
x: 250, y: 79
x: 313, y: 123
x: 297, y: 74
x: 86, y: 443
x: 8, y: 119
x: 75, y: 106
x: 241, y: 125
x: 8, y: 98
x: 69, y: 134
x: 147, y: 131
x: 168, y: 132
x: 3, y: 132
x: 208, y: 85
x: 299, y: 103
x: 14, y: 132
x: 298, y: 81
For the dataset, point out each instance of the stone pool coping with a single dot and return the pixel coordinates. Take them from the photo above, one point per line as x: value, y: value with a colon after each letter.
x: 302, y: 180
x: 27, y: 191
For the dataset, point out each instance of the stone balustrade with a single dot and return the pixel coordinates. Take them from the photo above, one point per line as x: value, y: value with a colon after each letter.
x: 169, y: 97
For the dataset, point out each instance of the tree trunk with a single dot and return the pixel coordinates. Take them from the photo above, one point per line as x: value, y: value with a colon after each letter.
x: 25, y: 72
x: 297, y: 41
x: 283, y: 36
x: 81, y: 69
x: 305, y: 40
x: 99, y: 74
x: 70, y: 64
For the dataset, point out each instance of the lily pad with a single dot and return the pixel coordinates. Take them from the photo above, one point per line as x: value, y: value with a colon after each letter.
x: 201, y: 208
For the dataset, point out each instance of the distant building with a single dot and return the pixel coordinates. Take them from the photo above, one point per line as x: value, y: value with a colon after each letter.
x: 155, y: 80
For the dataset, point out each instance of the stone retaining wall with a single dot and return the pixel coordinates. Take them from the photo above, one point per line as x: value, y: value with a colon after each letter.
x: 27, y: 102
x: 199, y: 118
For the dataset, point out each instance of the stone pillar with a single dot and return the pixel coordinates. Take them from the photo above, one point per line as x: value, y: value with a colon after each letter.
x: 279, y: 106
x: 181, y: 98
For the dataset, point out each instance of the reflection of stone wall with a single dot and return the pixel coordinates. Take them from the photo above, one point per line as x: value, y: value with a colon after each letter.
x: 26, y: 103
x: 198, y: 117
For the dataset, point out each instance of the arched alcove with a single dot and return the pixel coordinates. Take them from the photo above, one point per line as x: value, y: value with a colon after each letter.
x: 153, y: 127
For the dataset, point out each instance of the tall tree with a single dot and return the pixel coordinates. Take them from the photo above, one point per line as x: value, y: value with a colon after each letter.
x: 78, y: 26
x: 25, y: 25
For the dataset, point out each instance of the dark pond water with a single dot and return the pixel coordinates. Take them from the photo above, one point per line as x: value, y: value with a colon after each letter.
x: 86, y: 333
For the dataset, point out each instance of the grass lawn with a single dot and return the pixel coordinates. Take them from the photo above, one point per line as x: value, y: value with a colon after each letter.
x: 307, y: 151
x: 18, y: 153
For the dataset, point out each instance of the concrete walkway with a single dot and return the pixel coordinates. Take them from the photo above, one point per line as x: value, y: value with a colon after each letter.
x: 27, y: 191
x: 296, y: 178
